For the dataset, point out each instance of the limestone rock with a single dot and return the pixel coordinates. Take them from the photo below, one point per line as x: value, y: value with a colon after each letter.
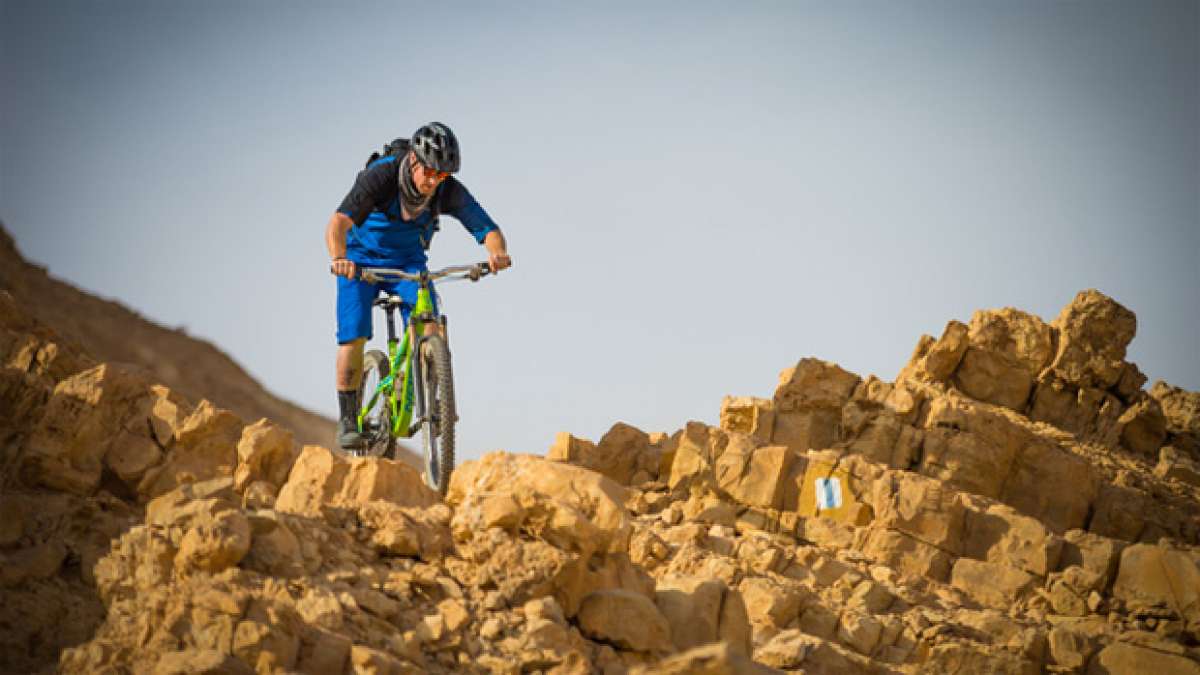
x: 626, y: 619
x: 703, y: 611
x: 322, y: 483
x: 1006, y: 351
x: 774, y: 602
x: 411, y: 532
x: 836, y: 487
x: 754, y: 476
x: 696, y: 454
x: 921, y: 508
x: 205, y: 447
x: 1094, y: 331
x: 859, y: 631
x: 102, y: 411
x: 905, y: 553
x: 622, y: 453
x: 997, y: 533
x: 936, y: 361
x: 1173, y: 464
x: 754, y: 417
x: 1156, y: 575
x: 274, y: 547
x: 1180, y: 407
x: 1125, y: 659
x: 1069, y: 648
x: 991, y: 584
x: 266, y: 452
x: 1143, y: 427
x: 214, y: 543
x: 808, y: 404
x: 569, y: 506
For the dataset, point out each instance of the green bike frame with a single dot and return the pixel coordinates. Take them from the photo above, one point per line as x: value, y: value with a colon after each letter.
x: 400, y: 400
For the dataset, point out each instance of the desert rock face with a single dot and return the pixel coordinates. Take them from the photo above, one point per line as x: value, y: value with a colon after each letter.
x: 1015, y: 502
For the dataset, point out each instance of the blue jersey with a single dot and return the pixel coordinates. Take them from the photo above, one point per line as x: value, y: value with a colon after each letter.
x: 381, y: 237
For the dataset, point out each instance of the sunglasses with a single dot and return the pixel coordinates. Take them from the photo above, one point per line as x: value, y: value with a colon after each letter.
x: 429, y: 171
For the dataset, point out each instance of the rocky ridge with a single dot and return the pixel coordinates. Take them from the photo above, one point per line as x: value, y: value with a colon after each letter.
x: 1015, y: 502
x: 110, y: 332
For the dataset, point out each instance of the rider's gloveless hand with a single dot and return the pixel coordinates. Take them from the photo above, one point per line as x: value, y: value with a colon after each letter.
x: 343, y: 267
x: 499, y: 261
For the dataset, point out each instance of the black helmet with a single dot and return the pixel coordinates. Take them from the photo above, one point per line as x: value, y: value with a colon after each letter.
x: 436, y: 147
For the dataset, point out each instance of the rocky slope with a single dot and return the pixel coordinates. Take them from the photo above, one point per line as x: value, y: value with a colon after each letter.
x: 1016, y: 502
x: 111, y: 332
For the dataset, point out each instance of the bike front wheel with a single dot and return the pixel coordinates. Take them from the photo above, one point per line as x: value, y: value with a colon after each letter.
x: 377, y: 420
x: 437, y: 425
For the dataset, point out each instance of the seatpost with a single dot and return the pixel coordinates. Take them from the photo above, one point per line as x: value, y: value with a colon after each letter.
x: 391, y: 323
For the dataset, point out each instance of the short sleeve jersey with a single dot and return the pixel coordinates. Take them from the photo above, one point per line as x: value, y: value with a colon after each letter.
x: 381, y: 237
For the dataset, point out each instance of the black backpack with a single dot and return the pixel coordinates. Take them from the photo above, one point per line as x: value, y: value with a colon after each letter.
x: 397, y: 148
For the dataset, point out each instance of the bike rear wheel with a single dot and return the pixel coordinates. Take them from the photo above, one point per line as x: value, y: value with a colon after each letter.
x: 437, y: 427
x: 377, y: 423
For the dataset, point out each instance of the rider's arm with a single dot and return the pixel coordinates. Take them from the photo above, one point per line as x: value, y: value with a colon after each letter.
x: 458, y: 202
x: 335, y: 234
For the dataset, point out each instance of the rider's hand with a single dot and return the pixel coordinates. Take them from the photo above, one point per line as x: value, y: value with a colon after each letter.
x: 343, y: 268
x: 499, y: 261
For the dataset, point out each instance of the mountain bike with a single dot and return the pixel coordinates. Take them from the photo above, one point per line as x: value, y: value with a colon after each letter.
x: 411, y: 387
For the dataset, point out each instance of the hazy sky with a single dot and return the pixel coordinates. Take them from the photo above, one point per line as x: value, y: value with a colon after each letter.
x: 696, y: 194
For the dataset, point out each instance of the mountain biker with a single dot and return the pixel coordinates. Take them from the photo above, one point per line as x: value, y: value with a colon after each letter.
x: 387, y: 220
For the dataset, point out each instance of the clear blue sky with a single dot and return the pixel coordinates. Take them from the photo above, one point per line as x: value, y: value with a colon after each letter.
x: 696, y: 194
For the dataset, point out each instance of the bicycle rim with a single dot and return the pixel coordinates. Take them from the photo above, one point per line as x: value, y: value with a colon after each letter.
x: 437, y: 429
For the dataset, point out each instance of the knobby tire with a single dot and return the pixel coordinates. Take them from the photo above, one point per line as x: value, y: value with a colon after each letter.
x: 437, y: 430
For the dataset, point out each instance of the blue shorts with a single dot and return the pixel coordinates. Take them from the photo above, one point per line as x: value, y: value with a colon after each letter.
x: 354, y: 309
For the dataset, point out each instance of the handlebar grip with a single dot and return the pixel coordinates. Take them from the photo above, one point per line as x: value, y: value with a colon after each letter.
x: 479, y: 271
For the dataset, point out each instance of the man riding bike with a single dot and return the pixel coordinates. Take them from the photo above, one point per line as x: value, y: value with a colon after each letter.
x: 388, y: 220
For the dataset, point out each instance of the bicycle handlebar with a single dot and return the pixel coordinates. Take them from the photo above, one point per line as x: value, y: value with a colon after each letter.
x: 473, y: 272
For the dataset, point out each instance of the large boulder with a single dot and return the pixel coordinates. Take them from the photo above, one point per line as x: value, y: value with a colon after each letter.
x: 571, y: 507
x: 753, y: 475
x: 1180, y: 407
x: 625, y: 619
x: 205, y: 447
x: 703, y: 611
x: 622, y: 453
x: 1152, y: 575
x: 266, y: 452
x: 836, y: 487
x: 808, y: 404
x: 748, y: 415
x: 696, y: 454
x: 986, y: 451
x: 1143, y: 427
x: 325, y: 484
x: 991, y: 584
x: 936, y: 360
x: 1094, y: 331
x: 1006, y: 351
x: 920, y: 507
x: 997, y: 533
x: 104, y: 416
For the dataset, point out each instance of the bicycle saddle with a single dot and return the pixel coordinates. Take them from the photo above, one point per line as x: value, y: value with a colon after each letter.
x: 388, y: 301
